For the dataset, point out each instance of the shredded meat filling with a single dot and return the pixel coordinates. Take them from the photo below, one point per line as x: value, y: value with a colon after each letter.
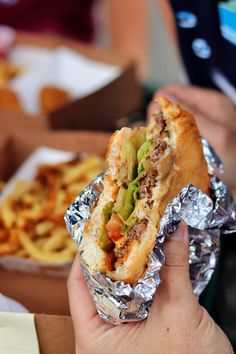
x: 159, y: 147
x: 134, y: 234
x: 160, y: 122
x: 146, y: 183
x: 136, y: 230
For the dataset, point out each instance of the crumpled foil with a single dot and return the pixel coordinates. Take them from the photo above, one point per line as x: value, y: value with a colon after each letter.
x: 206, y: 218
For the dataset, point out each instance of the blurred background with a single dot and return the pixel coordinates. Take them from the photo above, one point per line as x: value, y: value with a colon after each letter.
x: 70, y: 73
x: 163, y: 62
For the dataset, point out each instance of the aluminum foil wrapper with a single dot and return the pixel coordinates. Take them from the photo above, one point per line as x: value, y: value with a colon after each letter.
x: 206, y: 218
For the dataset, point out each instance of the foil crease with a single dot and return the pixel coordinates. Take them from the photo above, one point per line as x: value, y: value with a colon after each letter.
x: 207, y: 218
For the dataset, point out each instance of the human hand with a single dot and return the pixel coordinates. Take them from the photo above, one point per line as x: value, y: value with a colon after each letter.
x: 215, y: 115
x: 176, y: 323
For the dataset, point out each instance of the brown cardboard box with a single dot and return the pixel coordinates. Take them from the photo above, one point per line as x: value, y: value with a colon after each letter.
x: 16, y: 146
x: 5, y: 156
x: 55, y: 334
x: 11, y: 122
x: 50, y: 334
x: 38, y: 293
x: 100, y: 110
x: 41, y: 293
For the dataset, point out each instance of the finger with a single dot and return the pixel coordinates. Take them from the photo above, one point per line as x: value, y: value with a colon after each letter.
x: 82, y: 307
x: 224, y: 147
x: 175, y: 279
x: 209, y: 130
x: 209, y: 103
x: 192, y: 96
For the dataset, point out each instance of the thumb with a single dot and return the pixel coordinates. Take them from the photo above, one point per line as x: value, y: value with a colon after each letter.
x: 175, y: 272
x: 82, y: 307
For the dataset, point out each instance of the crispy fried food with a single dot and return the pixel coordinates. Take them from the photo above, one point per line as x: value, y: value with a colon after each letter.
x: 52, y: 98
x: 56, y: 241
x: 31, y: 218
x: 12, y: 244
x: 4, y: 235
x: 9, y: 100
x: 6, y: 249
x: 67, y: 254
x: 7, y: 72
x: 43, y: 228
x: 8, y: 214
x: 21, y: 253
x: 81, y: 170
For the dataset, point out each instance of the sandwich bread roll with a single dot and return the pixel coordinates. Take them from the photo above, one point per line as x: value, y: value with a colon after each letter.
x: 147, y: 168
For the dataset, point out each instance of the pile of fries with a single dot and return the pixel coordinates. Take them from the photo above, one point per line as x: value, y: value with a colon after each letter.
x: 32, y: 217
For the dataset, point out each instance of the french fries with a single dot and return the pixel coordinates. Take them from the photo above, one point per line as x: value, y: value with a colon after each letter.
x: 32, y: 217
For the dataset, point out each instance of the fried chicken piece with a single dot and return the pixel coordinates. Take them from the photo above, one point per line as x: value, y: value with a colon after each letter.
x: 52, y: 98
x: 9, y: 100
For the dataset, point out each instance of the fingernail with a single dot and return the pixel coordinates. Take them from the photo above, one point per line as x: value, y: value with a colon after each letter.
x: 171, y: 98
x: 167, y: 95
x: 181, y: 233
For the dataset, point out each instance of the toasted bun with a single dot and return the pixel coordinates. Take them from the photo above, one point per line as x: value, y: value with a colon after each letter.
x: 181, y: 163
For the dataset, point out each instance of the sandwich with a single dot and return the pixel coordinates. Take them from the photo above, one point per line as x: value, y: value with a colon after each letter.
x: 147, y: 168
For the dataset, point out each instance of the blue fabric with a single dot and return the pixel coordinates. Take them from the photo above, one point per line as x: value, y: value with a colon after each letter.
x: 207, y: 39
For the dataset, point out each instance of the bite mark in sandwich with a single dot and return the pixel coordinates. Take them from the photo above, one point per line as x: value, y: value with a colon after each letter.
x: 147, y: 168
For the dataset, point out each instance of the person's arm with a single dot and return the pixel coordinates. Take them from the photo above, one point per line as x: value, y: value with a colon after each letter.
x: 176, y: 323
x: 128, y: 28
x: 167, y: 14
